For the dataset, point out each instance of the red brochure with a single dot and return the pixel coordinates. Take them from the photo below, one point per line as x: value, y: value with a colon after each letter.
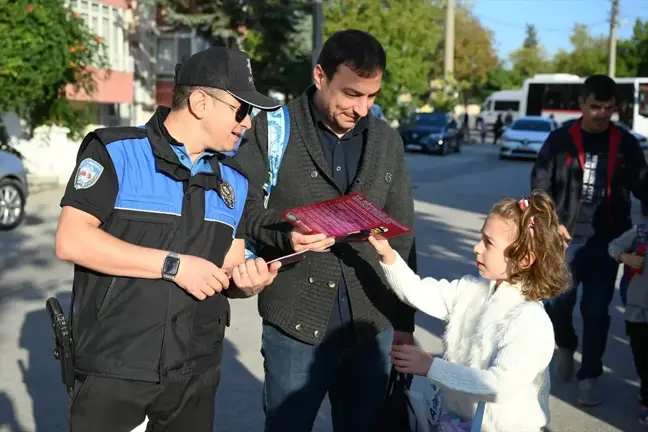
x: 350, y: 217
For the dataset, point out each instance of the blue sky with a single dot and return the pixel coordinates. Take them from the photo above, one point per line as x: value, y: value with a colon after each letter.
x: 553, y: 19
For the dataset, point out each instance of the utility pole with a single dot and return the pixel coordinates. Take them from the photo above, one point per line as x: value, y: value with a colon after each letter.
x: 612, y: 41
x: 318, y: 23
x: 448, y: 66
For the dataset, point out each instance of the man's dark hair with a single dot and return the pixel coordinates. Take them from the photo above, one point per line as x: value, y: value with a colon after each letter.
x: 602, y: 87
x: 181, y: 93
x: 356, y: 49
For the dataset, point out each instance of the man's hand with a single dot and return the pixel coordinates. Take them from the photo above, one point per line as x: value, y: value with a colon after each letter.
x: 409, y: 359
x: 403, y: 338
x: 632, y: 260
x: 253, y: 275
x: 200, y: 278
x: 562, y: 229
x: 315, y: 242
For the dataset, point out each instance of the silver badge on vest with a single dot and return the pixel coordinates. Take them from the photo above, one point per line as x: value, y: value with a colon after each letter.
x: 226, y: 192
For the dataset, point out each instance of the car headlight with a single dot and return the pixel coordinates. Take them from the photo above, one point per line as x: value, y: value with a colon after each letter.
x: 433, y: 139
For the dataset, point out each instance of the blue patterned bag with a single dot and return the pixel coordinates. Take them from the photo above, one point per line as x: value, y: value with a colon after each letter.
x: 278, y: 136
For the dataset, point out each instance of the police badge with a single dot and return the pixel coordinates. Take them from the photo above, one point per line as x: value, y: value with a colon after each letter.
x: 226, y: 192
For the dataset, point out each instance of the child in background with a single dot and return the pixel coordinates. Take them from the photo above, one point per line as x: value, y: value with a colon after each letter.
x: 499, y: 340
x: 629, y: 249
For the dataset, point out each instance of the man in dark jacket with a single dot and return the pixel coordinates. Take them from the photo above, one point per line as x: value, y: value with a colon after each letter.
x: 329, y: 322
x: 589, y: 169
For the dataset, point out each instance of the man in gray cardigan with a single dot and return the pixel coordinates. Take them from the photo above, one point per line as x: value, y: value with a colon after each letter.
x: 329, y: 321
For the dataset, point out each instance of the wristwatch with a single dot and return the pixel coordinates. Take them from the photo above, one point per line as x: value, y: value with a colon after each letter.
x: 171, y: 266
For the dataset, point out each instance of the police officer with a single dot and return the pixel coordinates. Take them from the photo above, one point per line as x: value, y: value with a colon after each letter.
x: 152, y: 221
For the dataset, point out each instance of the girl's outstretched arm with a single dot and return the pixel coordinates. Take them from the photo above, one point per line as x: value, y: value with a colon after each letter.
x: 434, y: 297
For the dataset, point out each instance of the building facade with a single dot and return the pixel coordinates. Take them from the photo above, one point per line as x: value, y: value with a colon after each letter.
x: 126, y: 95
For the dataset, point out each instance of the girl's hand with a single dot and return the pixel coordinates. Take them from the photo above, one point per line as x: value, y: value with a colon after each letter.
x: 387, y: 254
x: 410, y: 359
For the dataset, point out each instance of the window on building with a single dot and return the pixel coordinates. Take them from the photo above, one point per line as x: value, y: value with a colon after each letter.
x: 174, y: 48
x: 107, y: 22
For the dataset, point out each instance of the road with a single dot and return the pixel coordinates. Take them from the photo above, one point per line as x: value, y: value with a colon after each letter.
x: 452, y: 196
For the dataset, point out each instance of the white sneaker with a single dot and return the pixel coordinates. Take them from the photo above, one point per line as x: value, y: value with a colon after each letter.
x: 588, y: 392
x: 564, y: 364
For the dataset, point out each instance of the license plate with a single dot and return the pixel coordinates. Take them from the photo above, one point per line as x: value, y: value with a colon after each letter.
x: 414, y: 147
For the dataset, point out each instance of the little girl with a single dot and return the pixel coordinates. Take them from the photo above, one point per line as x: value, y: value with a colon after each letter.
x: 499, y: 341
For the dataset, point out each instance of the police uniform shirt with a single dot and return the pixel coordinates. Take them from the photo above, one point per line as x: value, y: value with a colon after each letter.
x: 143, y: 188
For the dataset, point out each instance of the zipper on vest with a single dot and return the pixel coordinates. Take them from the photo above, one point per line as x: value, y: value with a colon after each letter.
x: 176, y: 239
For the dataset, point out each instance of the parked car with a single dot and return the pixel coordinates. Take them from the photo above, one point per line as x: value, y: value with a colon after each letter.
x: 13, y: 190
x: 643, y: 141
x: 525, y: 137
x: 431, y: 133
x: 377, y: 111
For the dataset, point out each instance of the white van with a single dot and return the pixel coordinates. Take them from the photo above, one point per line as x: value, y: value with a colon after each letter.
x: 500, y: 103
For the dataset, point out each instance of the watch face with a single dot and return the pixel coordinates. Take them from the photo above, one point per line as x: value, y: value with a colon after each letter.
x: 171, y: 266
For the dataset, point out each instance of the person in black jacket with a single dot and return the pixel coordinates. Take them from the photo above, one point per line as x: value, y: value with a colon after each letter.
x: 590, y: 169
x: 330, y: 321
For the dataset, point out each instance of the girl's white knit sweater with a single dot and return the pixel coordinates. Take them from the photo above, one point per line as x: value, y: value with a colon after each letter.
x: 498, y: 347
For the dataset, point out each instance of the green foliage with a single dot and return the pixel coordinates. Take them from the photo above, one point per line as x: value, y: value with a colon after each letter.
x: 474, y: 54
x: 45, y: 47
x: 632, y: 54
x: 528, y: 62
x: 270, y: 31
x: 214, y: 20
x: 279, y: 45
x: 500, y: 78
x: 407, y: 31
x: 531, y: 38
x: 587, y: 57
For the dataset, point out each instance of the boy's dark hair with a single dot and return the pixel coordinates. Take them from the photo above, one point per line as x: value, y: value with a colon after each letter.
x: 356, y: 49
x: 601, y: 86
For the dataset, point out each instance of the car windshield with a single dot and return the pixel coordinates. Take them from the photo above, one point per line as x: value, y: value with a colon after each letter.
x: 531, y: 125
x: 438, y: 120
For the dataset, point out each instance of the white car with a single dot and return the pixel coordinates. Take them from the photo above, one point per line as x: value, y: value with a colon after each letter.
x: 525, y: 137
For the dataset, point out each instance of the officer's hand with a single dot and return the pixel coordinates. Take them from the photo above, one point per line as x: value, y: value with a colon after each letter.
x: 315, y: 242
x: 253, y: 275
x: 200, y: 278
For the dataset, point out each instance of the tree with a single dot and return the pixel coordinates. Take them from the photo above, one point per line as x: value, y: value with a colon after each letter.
x: 587, y: 57
x: 500, y: 78
x: 474, y: 54
x: 279, y: 43
x: 407, y: 30
x: 530, y: 59
x: 632, y: 53
x: 527, y: 62
x: 46, y: 48
x: 221, y: 22
x: 266, y: 29
x: 531, y: 38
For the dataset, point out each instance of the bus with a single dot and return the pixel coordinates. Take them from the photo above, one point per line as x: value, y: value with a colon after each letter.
x: 557, y: 94
x: 501, y: 102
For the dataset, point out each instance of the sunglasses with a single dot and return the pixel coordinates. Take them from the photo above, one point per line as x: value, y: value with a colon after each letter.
x: 241, y: 111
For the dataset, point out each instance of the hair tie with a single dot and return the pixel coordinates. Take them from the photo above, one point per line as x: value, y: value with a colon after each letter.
x: 524, y: 204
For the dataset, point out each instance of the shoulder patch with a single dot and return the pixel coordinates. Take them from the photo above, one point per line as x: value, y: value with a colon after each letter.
x: 88, y: 173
